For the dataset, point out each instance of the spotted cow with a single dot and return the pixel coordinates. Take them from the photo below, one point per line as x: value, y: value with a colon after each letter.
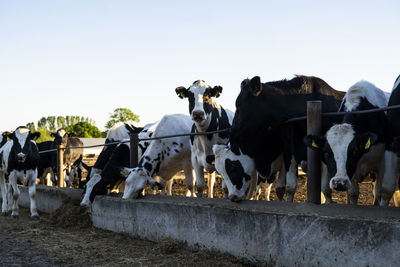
x: 19, y: 158
x: 355, y: 147
x: 207, y: 115
x: 164, y: 157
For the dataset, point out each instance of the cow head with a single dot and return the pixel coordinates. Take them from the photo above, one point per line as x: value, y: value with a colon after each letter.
x: 60, y: 137
x: 236, y: 170
x: 22, y: 145
x: 201, y: 103
x: 3, y: 138
x: 137, y: 180
x: 249, y: 115
x: 341, y: 151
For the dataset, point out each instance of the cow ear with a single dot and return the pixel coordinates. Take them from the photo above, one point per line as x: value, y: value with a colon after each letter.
x: 5, y: 134
x: 182, y: 92
x: 216, y: 91
x: 53, y: 134
x: 314, y: 142
x: 34, y: 135
x: 154, y: 184
x: 133, y: 129
x: 368, y: 139
x: 11, y: 135
x: 256, y: 86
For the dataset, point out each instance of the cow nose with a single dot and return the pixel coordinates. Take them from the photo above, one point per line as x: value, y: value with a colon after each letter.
x: 340, y: 184
x: 234, y: 198
x: 198, y: 115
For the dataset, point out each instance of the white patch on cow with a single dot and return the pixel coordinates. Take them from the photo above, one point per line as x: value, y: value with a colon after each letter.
x: 21, y: 134
x: 374, y: 95
x: 222, y: 152
x: 339, y: 137
x: 95, y: 177
x: 396, y: 83
x: 62, y: 132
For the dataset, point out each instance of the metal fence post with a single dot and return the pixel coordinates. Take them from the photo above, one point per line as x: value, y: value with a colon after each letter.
x: 60, y: 164
x: 134, y: 141
x: 314, y: 124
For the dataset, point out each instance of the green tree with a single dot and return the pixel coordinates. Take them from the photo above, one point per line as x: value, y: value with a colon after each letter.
x: 44, y: 134
x: 121, y: 114
x: 85, y: 130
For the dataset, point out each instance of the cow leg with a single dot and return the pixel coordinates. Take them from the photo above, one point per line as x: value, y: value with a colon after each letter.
x: 189, y: 175
x: 168, y: 187
x: 326, y: 190
x: 200, y: 184
x: 258, y: 192
x: 353, y: 193
x: 224, y: 188
x: 89, y: 187
x: 3, y: 188
x: 291, y: 181
x: 32, y: 192
x: 268, y: 191
x: 211, y: 182
x: 281, y: 184
x: 13, y: 181
x: 389, y: 178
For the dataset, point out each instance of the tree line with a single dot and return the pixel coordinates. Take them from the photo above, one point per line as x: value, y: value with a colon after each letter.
x: 79, y: 126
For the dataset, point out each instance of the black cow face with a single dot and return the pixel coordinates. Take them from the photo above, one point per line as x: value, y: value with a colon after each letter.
x: 236, y: 171
x: 249, y: 113
x: 341, y: 150
x: 200, y: 101
x: 60, y: 137
x: 24, y: 154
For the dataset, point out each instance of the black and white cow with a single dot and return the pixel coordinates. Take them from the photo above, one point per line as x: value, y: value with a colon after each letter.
x: 392, y: 151
x: 3, y: 187
x: 207, y: 116
x: 164, y: 157
x: 19, y: 158
x: 355, y: 147
x: 259, y: 135
x: 106, y: 172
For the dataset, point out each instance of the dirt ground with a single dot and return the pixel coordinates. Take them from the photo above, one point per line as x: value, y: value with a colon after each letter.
x: 66, y: 238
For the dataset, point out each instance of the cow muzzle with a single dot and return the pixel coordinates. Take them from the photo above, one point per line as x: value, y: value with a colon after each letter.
x: 340, y: 184
x: 198, y: 115
x: 21, y: 157
x: 236, y: 196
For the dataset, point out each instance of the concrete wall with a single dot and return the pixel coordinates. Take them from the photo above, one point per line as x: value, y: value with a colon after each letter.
x: 283, y: 234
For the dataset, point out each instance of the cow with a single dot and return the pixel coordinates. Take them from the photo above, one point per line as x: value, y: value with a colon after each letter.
x: 106, y: 171
x: 19, y: 158
x: 70, y: 155
x: 259, y: 134
x: 45, y: 163
x: 3, y: 187
x: 207, y: 115
x: 355, y: 147
x: 164, y: 157
x: 392, y: 150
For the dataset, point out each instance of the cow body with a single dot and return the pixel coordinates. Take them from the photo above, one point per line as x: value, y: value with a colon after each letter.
x: 163, y: 158
x: 259, y: 134
x: 45, y: 162
x: 106, y: 171
x: 392, y: 150
x: 207, y: 116
x: 355, y: 147
x: 19, y: 158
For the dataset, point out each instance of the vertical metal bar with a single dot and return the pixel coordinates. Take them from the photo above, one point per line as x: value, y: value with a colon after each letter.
x: 134, y: 142
x: 60, y: 164
x: 314, y: 125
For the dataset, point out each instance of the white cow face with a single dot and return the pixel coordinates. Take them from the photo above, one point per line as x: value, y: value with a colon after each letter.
x: 342, y: 149
x: 22, y: 146
x: 137, y: 180
x: 200, y: 101
x: 236, y: 170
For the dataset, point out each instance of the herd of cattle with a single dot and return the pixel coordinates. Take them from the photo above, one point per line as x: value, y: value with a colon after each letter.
x: 260, y: 146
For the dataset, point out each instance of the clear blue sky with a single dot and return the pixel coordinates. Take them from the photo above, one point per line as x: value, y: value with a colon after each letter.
x: 87, y: 58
